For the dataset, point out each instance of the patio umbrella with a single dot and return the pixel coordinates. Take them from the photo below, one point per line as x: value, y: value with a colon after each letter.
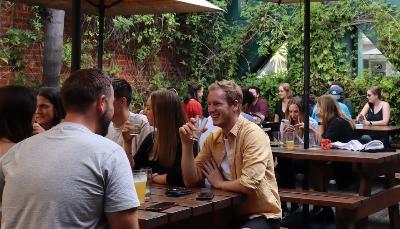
x: 104, y: 8
x: 306, y: 62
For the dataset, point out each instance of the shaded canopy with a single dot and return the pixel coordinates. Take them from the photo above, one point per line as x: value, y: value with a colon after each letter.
x: 130, y: 7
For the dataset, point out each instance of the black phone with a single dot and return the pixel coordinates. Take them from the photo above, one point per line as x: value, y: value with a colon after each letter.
x: 205, y: 196
x: 177, y: 191
x: 160, y: 206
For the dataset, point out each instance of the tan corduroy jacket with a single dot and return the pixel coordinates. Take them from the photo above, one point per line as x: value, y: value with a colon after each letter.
x: 250, y: 161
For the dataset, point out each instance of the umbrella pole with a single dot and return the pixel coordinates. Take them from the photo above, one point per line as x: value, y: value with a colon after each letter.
x: 306, y: 72
x: 76, y: 35
x: 100, y: 49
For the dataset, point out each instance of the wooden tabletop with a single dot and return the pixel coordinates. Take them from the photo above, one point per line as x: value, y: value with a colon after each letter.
x: 186, y: 206
x: 388, y: 129
x: 335, y: 155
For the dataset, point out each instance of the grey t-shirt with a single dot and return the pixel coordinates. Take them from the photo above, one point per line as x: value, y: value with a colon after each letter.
x: 67, y: 177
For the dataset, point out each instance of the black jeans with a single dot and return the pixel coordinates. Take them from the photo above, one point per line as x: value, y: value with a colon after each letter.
x: 257, y: 223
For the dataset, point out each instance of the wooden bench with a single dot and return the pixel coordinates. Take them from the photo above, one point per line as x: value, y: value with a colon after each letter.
x: 349, y: 208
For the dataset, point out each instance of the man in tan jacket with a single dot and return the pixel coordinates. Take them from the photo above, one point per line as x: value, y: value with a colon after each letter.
x: 235, y: 158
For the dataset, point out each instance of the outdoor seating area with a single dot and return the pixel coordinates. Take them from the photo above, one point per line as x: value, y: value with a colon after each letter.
x: 158, y: 114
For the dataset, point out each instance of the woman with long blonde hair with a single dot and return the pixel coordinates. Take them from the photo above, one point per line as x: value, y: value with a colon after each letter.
x: 336, y: 126
x: 161, y: 150
x: 285, y: 94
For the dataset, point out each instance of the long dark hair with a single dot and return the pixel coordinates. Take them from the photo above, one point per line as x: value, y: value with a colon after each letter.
x: 53, y: 95
x: 192, y: 92
x: 17, y: 107
x: 169, y: 116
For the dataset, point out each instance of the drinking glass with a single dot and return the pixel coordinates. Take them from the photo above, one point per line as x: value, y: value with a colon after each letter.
x: 313, y: 140
x: 140, y: 179
x: 135, y: 129
x: 290, y: 140
x: 278, y: 138
x: 201, y: 123
x: 148, y: 172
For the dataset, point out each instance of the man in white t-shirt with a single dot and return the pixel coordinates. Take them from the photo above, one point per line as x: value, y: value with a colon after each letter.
x: 71, y: 176
x: 122, y: 116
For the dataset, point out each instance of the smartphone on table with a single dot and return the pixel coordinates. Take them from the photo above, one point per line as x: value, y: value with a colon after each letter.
x: 205, y: 196
x: 160, y: 206
x: 177, y: 191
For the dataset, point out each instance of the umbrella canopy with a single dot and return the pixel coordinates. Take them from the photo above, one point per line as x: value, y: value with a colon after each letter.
x: 129, y: 7
x: 113, y: 8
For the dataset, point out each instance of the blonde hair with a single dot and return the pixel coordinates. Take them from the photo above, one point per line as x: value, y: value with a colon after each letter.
x: 232, y: 91
x: 287, y: 88
x: 168, y: 117
x: 330, y: 110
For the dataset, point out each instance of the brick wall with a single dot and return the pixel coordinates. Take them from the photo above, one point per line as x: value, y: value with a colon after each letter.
x: 15, y: 15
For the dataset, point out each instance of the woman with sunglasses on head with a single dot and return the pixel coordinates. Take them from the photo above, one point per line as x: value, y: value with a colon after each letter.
x: 376, y: 112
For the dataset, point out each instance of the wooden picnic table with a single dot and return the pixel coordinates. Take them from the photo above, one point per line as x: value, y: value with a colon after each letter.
x: 385, y: 130
x: 367, y: 165
x: 189, y: 212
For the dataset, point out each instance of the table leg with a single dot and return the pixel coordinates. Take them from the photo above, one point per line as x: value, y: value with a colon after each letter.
x: 394, y: 217
x: 319, y: 177
x: 342, y: 219
x: 365, y: 190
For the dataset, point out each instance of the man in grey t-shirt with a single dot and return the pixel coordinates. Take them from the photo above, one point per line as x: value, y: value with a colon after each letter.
x: 70, y: 176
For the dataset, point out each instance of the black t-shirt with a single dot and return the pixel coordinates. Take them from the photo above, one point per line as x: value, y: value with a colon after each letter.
x: 174, y: 174
x: 339, y: 130
x: 279, y: 111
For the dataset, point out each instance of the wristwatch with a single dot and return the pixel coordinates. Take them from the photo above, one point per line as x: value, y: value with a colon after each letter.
x: 370, y: 123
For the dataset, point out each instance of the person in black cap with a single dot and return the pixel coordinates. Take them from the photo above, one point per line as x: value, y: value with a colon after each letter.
x: 337, y: 92
x: 341, y: 96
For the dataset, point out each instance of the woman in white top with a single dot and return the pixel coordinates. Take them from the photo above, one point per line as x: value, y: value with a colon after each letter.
x: 294, y: 119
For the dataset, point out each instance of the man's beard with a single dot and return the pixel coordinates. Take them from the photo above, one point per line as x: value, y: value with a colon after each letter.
x: 104, y: 122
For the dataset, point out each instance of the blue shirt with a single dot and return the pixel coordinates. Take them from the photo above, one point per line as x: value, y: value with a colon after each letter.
x: 342, y: 106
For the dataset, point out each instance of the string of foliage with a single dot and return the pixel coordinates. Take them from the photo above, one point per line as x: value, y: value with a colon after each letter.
x: 207, y: 46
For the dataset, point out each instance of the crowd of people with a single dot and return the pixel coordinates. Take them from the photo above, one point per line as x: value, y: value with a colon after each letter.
x: 67, y: 155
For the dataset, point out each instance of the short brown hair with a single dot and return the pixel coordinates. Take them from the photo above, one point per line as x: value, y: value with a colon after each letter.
x: 83, y: 88
x: 232, y: 90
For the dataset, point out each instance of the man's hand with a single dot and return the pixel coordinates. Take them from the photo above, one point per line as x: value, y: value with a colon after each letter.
x: 186, y: 131
x: 211, y: 171
x: 126, y: 132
